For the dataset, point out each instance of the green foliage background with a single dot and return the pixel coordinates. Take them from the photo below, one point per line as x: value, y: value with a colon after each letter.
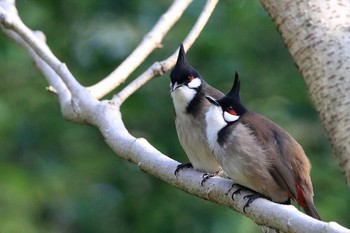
x: 57, y: 176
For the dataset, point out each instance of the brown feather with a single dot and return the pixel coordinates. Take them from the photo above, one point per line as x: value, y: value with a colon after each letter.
x: 290, y: 168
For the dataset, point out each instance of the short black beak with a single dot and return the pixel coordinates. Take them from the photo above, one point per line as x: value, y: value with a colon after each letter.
x: 174, y: 86
x: 212, y: 100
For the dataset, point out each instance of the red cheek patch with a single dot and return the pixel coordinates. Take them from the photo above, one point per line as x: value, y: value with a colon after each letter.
x: 190, y: 78
x: 232, y: 112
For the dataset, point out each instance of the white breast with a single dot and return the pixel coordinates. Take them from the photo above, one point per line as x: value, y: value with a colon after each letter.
x: 191, y: 132
x: 182, y: 96
x: 235, y: 154
x: 215, y: 122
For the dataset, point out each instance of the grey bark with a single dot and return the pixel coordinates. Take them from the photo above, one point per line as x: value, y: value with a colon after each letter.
x: 317, y: 34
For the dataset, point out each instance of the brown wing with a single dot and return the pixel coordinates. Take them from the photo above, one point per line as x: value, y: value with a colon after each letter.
x: 290, y: 167
x: 277, y: 143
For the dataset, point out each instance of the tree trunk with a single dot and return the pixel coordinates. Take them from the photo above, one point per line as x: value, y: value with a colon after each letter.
x: 317, y: 34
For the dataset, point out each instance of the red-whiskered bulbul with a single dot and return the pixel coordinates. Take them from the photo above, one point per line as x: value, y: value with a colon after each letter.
x: 257, y: 153
x: 188, y: 91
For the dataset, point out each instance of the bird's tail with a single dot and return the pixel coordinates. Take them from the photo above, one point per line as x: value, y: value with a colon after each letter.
x: 310, y: 209
x: 305, y: 200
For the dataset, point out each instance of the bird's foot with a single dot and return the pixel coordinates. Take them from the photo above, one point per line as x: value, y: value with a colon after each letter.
x: 237, y: 191
x: 207, y: 176
x: 182, y: 166
x: 251, y: 198
x: 232, y: 186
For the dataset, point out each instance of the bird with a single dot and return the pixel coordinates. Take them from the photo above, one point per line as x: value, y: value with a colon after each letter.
x: 188, y: 90
x: 257, y: 153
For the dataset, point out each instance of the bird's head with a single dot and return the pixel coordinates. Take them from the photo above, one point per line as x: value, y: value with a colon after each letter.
x: 184, y: 76
x: 230, y: 106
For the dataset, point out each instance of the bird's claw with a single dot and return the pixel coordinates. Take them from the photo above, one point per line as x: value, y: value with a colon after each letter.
x: 238, y: 190
x: 251, y: 198
x: 207, y: 176
x: 182, y: 166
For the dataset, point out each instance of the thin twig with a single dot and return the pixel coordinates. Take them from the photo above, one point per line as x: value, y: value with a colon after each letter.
x: 159, y: 68
x: 11, y: 22
x: 56, y: 84
x: 55, y: 72
x: 150, y: 42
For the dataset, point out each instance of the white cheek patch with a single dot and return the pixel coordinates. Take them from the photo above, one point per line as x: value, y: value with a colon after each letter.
x: 195, y: 83
x: 229, y: 117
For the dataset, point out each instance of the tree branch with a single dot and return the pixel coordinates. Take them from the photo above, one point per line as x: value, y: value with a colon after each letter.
x: 13, y: 23
x: 106, y: 116
x: 75, y: 108
x: 317, y: 36
x: 150, y: 42
x: 158, y: 68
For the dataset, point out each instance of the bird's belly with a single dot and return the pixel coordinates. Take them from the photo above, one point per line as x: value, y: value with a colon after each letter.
x: 236, y: 167
x: 194, y: 143
x: 250, y: 169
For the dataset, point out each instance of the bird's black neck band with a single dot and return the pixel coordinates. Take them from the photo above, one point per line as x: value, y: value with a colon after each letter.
x: 194, y: 106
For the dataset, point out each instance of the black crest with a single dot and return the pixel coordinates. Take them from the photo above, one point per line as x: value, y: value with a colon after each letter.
x: 181, y: 59
x: 182, y: 69
x: 235, y: 88
x: 233, y: 100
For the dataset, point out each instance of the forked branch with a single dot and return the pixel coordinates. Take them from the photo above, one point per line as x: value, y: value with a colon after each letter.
x: 150, y: 42
x: 158, y: 68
